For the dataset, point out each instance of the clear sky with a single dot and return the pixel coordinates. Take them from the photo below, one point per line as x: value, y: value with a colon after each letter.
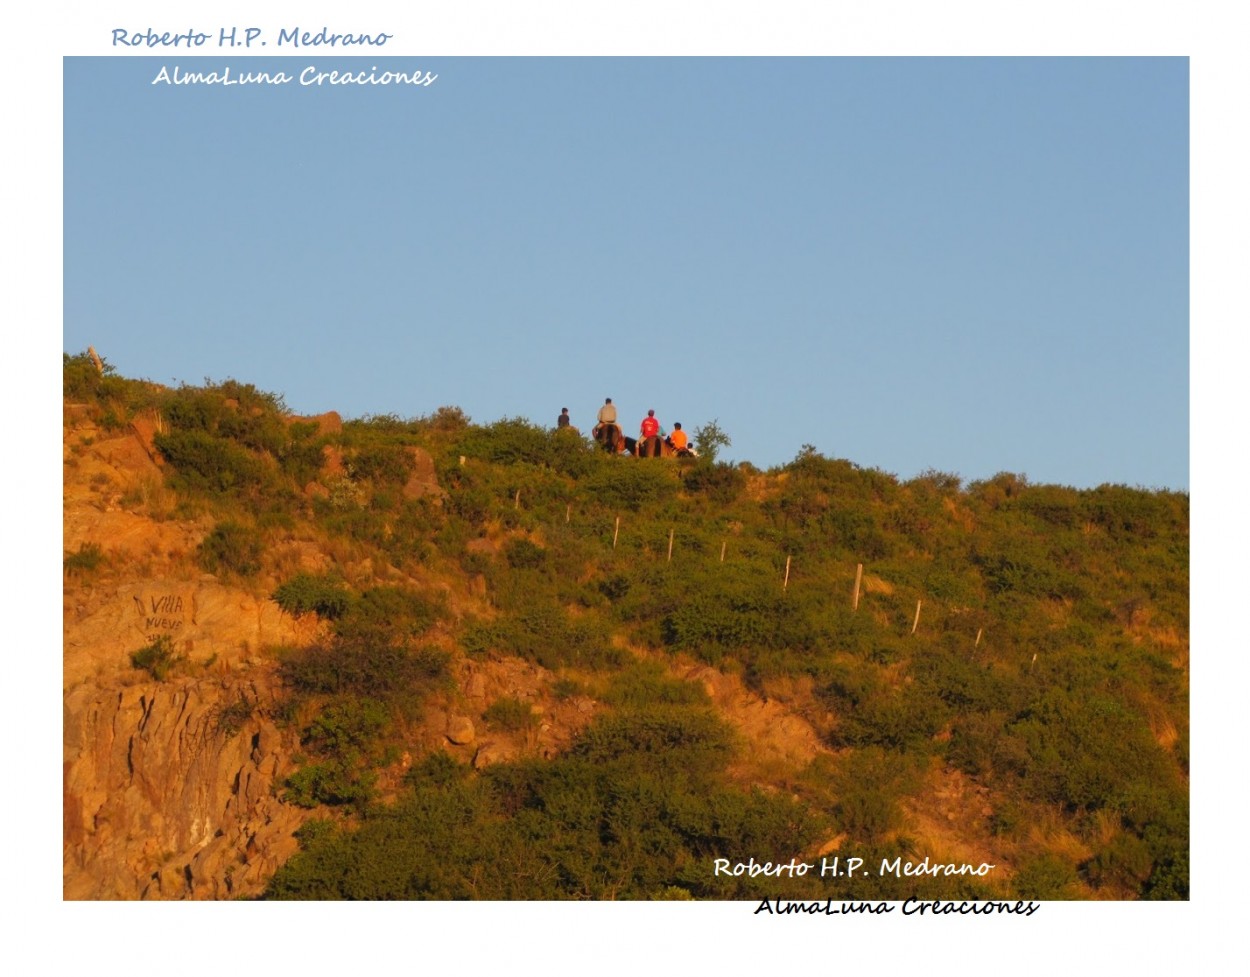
x: 972, y: 265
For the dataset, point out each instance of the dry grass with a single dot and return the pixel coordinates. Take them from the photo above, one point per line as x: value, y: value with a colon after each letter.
x: 873, y: 584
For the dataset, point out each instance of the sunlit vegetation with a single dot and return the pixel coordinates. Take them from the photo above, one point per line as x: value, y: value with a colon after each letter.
x: 1031, y: 639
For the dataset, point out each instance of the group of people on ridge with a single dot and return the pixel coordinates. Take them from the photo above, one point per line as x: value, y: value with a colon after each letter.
x: 676, y: 440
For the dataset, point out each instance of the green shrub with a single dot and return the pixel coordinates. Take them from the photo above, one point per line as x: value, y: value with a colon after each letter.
x: 348, y: 668
x: 697, y: 741
x: 158, y: 658
x: 626, y: 484
x: 346, y: 725
x: 563, y: 689
x: 303, y: 455
x: 514, y: 441
x: 320, y: 594
x: 1084, y: 751
x: 439, y: 769
x: 932, y: 480
x: 869, y: 784
x: 736, y: 611
x: 231, y: 410
x: 646, y: 684
x: 80, y: 380
x: 521, y: 554
x: 89, y: 558
x: 507, y: 441
x: 721, y: 483
x: 1044, y: 876
x: 206, y: 463
x: 709, y: 439
x: 542, y: 632
x: 1123, y: 865
x: 1170, y: 878
x: 510, y: 715
x: 383, y: 615
x: 232, y: 547
x: 905, y: 719
x: 445, y: 420
x: 83, y: 383
x: 385, y: 463
x: 231, y: 719
x: 334, y: 783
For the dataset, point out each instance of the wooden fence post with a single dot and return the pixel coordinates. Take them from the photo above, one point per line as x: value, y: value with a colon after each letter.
x: 786, y: 583
x: 670, y: 546
x: 978, y: 641
x: 516, y: 504
x: 722, y: 551
x: 916, y: 623
x: 617, y: 532
x: 859, y: 575
x: 567, y: 509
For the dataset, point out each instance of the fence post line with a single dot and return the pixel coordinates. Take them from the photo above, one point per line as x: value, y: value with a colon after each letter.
x: 978, y: 641
x: 722, y: 551
x: 670, y: 546
x: 786, y: 583
x: 916, y: 623
x: 567, y: 509
x: 859, y: 575
x: 516, y: 503
x: 616, y: 532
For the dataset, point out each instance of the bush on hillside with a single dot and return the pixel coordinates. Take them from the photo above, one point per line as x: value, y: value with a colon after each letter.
x: 630, y: 484
x: 322, y: 595
x: 233, y: 548
x: 366, y: 671
x: 384, y: 615
x: 88, y: 558
x: 206, y: 463
x: 158, y: 658
x: 510, y: 715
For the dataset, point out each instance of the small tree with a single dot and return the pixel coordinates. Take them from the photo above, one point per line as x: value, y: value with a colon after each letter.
x: 709, y: 439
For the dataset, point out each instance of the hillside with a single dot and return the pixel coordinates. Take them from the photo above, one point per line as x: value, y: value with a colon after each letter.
x: 425, y: 658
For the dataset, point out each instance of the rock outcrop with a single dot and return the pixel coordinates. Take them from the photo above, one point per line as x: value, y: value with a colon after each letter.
x: 171, y: 790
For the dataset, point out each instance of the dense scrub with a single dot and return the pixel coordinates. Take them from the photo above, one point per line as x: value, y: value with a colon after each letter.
x: 1033, y: 638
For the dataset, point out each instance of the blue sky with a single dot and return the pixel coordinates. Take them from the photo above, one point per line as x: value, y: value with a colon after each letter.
x: 972, y: 265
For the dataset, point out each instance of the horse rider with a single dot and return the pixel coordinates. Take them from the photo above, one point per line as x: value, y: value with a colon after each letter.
x: 605, y: 417
x: 563, y: 419
x: 607, y: 413
x: 650, y: 428
x: 678, y: 441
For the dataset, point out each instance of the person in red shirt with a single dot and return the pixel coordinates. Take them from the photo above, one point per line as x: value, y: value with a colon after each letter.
x: 650, y: 426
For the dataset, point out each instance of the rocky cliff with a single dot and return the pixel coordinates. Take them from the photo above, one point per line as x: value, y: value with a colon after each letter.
x: 171, y: 788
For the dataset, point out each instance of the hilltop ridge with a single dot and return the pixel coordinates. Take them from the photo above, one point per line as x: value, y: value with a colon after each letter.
x: 611, y: 670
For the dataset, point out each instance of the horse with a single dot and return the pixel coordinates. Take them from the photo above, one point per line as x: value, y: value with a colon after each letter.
x: 613, y: 440
x: 654, y: 447
x: 657, y: 447
x: 610, y: 438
